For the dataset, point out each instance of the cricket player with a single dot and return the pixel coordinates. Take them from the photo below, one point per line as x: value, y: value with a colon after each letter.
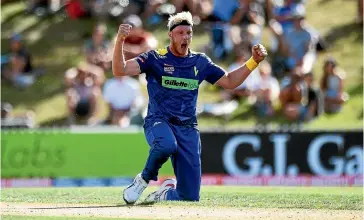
x: 174, y: 74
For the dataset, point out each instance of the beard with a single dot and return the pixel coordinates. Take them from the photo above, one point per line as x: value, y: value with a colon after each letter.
x: 181, y: 48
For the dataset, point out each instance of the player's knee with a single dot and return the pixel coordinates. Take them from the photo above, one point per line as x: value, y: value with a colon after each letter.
x: 192, y: 198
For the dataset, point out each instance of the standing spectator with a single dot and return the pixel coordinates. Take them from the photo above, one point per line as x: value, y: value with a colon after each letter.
x: 298, y: 44
x: 97, y: 48
x: 283, y: 15
x: 84, y: 85
x: 121, y: 107
x: 332, y: 85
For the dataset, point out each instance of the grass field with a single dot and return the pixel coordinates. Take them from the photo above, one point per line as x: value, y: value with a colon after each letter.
x: 56, y: 44
x: 216, y: 203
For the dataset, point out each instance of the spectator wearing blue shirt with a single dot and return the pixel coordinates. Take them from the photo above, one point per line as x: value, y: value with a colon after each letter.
x: 298, y: 44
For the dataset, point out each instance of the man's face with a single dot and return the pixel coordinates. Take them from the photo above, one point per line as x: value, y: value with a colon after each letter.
x: 181, y: 38
x: 297, y: 22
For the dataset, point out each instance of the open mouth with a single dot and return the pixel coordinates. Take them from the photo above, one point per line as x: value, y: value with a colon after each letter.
x: 184, y: 46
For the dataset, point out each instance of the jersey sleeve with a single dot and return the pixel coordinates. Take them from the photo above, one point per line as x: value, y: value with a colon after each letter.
x: 212, y: 72
x: 144, y: 60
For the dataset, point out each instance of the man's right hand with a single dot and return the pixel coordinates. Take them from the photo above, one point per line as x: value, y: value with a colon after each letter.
x: 124, y: 30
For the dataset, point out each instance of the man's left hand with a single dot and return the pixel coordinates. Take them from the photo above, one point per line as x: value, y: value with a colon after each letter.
x: 259, y: 53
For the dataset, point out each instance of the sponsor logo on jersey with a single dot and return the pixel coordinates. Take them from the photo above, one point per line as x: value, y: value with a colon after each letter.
x: 196, y: 70
x: 161, y: 53
x: 168, y: 68
x: 179, y: 83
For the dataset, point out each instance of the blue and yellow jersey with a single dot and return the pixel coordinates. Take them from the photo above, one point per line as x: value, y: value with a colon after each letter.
x: 173, y: 82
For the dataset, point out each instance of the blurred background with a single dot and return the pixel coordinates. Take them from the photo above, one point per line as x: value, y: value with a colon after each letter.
x: 56, y: 69
x: 56, y: 61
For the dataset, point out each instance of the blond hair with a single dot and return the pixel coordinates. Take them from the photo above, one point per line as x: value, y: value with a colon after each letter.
x: 184, y: 16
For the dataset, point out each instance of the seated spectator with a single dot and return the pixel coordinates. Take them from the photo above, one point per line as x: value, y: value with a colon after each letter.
x: 84, y: 86
x: 18, y: 64
x: 139, y: 40
x: 241, y: 56
x: 124, y: 98
x: 315, y: 102
x: 9, y: 120
x: 97, y: 50
x: 293, y: 97
x: 265, y: 91
x: 332, y: 86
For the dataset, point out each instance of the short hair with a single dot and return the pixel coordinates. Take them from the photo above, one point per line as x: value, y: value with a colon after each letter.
x: 184, y: 18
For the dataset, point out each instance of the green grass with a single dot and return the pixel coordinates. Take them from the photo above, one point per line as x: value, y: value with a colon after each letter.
x: 250, y: 197
x: 56, y: 44
x: 14, y: 217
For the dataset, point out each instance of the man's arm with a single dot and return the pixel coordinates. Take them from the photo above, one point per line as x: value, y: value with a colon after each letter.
x: 236, y: 77
x: 120, y: 67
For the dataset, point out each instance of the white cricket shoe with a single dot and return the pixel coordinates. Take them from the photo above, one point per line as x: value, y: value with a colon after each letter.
x: 132, y: 193
x: 161, y: 193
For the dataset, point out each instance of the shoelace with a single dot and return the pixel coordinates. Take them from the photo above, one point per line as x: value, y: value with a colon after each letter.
x: 162, y: 195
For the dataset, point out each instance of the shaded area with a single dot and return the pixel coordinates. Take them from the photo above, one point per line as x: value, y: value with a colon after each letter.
x: 342, y: 31
x: 64, y: 34
x: 61, y: 121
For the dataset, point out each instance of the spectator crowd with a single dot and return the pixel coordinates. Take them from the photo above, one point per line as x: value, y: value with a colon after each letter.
x: 283, y: 84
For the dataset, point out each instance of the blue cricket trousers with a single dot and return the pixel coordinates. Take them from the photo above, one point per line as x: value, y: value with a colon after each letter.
x: 183, y: 145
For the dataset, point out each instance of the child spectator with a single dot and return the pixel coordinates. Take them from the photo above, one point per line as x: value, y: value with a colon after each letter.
x: 332, y: 86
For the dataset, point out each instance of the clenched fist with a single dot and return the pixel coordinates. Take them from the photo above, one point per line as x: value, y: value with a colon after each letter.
x: 124, y: 30
x: 259, y: 53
